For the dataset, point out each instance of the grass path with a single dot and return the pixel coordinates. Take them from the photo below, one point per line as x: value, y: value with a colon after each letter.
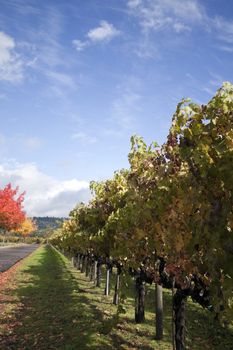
x: 50, y: 305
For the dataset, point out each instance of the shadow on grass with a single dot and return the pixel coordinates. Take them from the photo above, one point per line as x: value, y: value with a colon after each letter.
x: 58, y: 308
x: 54, y: 314
x: 202, y: 332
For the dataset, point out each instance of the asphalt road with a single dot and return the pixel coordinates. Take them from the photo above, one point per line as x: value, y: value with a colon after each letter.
x: 10, y: 255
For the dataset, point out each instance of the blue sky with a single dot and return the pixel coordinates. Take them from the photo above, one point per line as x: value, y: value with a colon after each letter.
x: 78, y: 78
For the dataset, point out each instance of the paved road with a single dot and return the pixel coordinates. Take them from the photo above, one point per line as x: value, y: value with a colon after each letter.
x: 10, y: 255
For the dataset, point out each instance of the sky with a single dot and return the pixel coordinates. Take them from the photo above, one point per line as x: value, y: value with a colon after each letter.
x: 78, y: 78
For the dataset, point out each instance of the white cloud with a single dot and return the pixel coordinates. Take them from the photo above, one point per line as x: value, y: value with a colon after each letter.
x: 11, y: 64
x: 79, y: 45
x: 134, y: 3
x: 45, y: 195
x: 84, y: 138
x: 180, y: 16
x: 180, y: 27
x: 166, y: 14
x: 105, y: 32
x: 188, y: 10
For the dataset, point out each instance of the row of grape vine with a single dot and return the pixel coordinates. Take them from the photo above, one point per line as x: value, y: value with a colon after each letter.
x: 168, y: 219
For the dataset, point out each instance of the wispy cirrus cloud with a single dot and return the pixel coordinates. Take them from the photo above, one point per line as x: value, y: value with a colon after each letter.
x: 223, y: 29
x: 156, y: 15
x: 132, y: 4
x: 22, y: 142
x: 228, y: 49
x: 48, y: 48
x: 125, y: 108
x: 180, y: 16
x: 176, y: 18
x: 84, y: 138
x: 40, y: 52
x: 208, y: 90
x: 61, y: 78
x: 23, y: 7
x: 216, y: 79
x: 11, y: 63
x: 51, y: 60
x: 79, y: 45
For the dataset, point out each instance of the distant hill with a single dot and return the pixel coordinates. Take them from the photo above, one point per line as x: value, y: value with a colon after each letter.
x: 46, y: 224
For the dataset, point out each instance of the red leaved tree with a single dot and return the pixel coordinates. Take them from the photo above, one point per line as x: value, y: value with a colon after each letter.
x: 11, y: 209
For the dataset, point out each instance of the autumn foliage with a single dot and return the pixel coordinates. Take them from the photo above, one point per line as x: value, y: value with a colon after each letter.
x: 171, y: 213
x: 27, y: 227
x: 11, y: 208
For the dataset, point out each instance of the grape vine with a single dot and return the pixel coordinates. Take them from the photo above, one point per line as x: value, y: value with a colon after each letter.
x: 169, y: 217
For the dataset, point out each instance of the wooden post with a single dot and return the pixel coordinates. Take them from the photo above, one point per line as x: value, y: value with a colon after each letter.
x: 107, y: 284
x: 173, y: 320
x: 83, y: 264
x: 78, y: 262
x: 87, y: 266
x: 99, y: 273
x: 117, y: 287
x: 95, y: 271
x: 159, y: 311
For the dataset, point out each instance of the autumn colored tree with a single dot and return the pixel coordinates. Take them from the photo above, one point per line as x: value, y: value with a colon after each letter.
x: 28, y: 226
x: 11, y: 208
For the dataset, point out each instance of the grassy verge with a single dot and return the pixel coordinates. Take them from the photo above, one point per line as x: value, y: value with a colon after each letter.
x: 51, y: 305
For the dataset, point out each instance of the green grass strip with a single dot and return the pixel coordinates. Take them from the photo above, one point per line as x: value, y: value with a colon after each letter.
x: 51, y: 305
